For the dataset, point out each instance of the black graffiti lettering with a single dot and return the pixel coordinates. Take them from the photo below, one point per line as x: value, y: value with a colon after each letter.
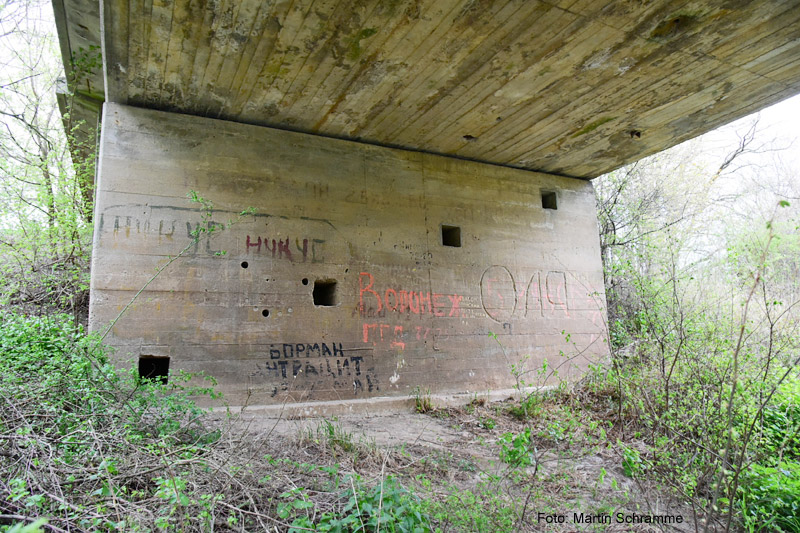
x: 161, y: 231
x: 356, y: 359
x: 314, y: 258
x: 332, y: 366
x: 283, y: 367
x: 304, y: 249
x: 271, y: 368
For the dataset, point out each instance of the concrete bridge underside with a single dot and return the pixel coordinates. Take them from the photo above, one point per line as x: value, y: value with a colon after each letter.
x: 415, y: 167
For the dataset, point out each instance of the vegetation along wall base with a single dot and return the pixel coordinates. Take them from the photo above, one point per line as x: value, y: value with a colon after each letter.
x: 332, y: 270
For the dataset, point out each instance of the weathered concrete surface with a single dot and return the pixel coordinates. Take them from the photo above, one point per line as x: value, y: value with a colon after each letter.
x: 407, y: 311
x: 572, y: 87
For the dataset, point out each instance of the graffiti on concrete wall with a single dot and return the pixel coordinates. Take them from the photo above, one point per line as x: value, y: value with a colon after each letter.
x: 503, y: 297
x: 297, y: 251
x: 388, y: 315
x: 393, y: 303
x: 124, y: 226
x: 321, y: 365
x: 373, y: 299
x: 164, y: 230
x: 376, y: 333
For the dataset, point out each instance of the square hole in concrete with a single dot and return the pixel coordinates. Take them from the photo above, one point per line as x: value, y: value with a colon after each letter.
x: 155, y: 368
x: 325, y: 292
x: 549, y: 200
x: 451, y: 236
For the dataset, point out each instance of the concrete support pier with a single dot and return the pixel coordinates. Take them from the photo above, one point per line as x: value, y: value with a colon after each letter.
x: 364, y: 272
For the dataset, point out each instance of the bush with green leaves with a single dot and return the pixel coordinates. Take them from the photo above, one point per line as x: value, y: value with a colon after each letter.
x: 54, y: 361
x: 91, y: 447
x: 46, y: 167
x: 769, y: 497
x: 71, y: 424
x: 517, y: 450
x: 704, y: 342
x: 387, y: 506
x: 484, y: 508
x: 778, y: 426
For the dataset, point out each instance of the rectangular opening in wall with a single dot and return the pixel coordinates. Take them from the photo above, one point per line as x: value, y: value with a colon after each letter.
x: 325, y: 292
x: 451, y: 236
x: 549, y: 200
x: 155, y: 368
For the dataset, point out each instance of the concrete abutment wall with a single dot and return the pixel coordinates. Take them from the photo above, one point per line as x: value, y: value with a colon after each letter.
x: 365, y: 271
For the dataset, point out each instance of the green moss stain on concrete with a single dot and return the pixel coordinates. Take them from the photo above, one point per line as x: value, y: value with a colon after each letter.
x: 593, y: 126
x: 354, y: 43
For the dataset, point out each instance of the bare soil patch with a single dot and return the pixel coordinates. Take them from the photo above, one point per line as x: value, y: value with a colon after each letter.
x: 453, y: 458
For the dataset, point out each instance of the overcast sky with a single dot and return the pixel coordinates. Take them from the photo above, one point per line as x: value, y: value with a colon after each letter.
x: 778, y: 126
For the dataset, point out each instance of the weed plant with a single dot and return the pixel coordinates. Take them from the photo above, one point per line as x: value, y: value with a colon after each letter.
x: 86, y: 446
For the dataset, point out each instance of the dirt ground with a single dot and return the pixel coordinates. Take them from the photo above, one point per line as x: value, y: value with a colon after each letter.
x: 575, y: 481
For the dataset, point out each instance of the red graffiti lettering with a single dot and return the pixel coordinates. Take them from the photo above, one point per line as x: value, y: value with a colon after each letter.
x: 282, y: 247
x: 455, y: 300
x: 273, y: 249
x: 422, y: 299
x: 368, y: 288
x: 422, y: 332
x: 413, y: 303
x: 386, y: 299
x: 383, y: 333
x: 437, y: 305
x: 368, y: 327
x: 402, y: 301
x: 398, y: 336
x: 256, y: 244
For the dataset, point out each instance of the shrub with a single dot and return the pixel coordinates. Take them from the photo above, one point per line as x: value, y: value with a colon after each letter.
x: 385, y: 507
x: 770, y: 497
x: 71, y: 423
x: 517, y: 450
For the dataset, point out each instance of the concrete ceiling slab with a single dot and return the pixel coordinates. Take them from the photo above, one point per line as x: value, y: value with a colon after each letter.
x: 570, y: 87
